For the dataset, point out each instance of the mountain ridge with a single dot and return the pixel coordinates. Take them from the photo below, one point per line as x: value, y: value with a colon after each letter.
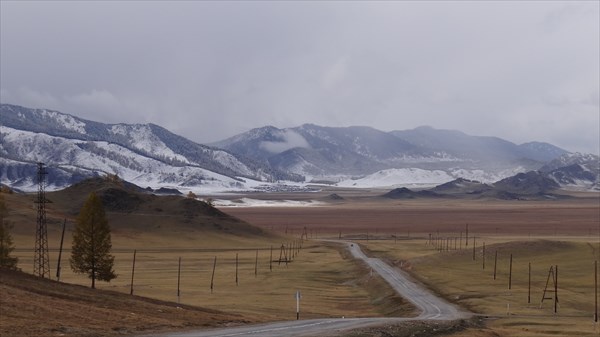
x: 67, y: 143
x: 356, y: 156
x: 316, y: 151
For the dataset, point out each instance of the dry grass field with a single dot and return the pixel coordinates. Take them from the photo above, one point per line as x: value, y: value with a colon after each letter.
x: 517, y: 311
x: 562, y: 232
x: 331, y: 284
x: 34, y: 307
x: 543, y: 233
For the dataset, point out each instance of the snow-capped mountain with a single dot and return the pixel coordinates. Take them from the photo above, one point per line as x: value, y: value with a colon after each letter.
x: 146, y: 154
x: 317, y: 151
x: 483, y: 150
x: 574, y: 171
x: 149, y: 155
x: 365, y: 155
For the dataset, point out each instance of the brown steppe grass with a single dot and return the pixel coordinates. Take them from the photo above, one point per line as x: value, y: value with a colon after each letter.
x: 333, y: 285
x: 543, y: 233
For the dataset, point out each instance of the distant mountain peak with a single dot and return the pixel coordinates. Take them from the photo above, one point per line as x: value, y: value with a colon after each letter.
x: 148, y: 154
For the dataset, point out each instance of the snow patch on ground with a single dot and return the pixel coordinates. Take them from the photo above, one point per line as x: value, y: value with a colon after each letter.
x: 414, y: 177
x: 248, y: 202
x: 399, y: 177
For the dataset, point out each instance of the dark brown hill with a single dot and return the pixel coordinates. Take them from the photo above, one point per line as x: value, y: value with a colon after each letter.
x: 131, y: 208
x: 462, y: 186
x: 529, y: 183
x: 405, y: 193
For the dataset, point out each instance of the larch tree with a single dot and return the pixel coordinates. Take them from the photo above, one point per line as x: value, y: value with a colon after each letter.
x: 6, y: 241
x: 90, y: 253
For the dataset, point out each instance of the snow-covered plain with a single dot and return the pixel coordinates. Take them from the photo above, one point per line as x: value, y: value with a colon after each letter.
x: 249, y: 202
x: 414, y: 177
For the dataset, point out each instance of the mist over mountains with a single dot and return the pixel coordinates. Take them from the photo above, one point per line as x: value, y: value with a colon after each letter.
x: 312, y: 150
x: 145, y: 154
x: 149, y: 155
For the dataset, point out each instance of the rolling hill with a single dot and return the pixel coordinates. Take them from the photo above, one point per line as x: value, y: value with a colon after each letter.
x: 31, y: 306
x: 130, y: 209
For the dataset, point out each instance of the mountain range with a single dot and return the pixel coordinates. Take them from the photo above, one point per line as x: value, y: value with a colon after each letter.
x: 316, y: 151
x: 149, y: 155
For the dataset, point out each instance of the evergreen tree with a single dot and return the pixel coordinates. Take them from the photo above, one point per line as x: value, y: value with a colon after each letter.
x: 6, y: 242
x: 90, y: 253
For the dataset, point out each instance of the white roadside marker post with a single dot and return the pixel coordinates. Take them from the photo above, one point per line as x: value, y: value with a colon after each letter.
x: 298, y: 297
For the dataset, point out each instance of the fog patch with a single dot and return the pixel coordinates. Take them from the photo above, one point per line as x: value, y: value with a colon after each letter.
x: 289, y: 139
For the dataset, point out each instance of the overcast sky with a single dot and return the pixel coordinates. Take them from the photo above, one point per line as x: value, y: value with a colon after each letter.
x: 522, y: 71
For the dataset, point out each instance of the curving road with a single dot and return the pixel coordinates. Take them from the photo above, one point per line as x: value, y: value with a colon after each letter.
x: 430, y: 306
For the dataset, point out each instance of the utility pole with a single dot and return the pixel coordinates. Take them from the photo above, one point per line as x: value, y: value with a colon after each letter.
x: 596, y: 291
x: 178, y: 281
x: 510, y: 274
x: 529, y: 285
x: 132, y: 272
x: 556, y: 289
x: 552, y: 274
x: 41, y: 259
x: 62, y: 238
x: 495, y: 263
x: 212, y: 278
x: 256, y: 265
x: 483, y: 266
x: 236, y: 269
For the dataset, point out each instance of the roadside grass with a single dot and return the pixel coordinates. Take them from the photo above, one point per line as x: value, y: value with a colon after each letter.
x: 455, y: 275
x: 330, y: 282
x: 34, y: 307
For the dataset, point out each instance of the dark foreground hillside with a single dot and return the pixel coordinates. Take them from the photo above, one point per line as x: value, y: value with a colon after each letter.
x: 130, y: 209
x: 30, y: 306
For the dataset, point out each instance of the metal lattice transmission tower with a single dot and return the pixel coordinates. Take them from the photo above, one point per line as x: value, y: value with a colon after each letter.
x: 41, y: 259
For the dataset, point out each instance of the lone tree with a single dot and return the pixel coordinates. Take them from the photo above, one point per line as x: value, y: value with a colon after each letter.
x: 90, y: 253
x: 6, y: 241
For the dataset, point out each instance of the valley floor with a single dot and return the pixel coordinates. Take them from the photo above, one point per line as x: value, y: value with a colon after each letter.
x: 331, y: 282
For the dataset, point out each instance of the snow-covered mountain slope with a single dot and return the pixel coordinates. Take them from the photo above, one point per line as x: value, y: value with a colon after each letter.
x: 480, y: 149
x: 149, y: 155
x: 570, y: 171
x: 575, y: 171
x: 312, y: 150
x: 71, y: 160
x: 414, y: 177
x: 329, y: 153
x: 149, y: 140
x: 74, y: 148
x: 399, y: 177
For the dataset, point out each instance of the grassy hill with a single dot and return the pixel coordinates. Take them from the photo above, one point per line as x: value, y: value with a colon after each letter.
x: 32, y: 306
x: 129, y: 209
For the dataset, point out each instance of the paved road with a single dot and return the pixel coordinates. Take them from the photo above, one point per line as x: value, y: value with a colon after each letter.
x: 430, y: 306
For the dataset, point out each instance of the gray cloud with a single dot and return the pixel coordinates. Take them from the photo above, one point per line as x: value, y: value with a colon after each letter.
x: 208, y: 70
x: 288, y: 139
